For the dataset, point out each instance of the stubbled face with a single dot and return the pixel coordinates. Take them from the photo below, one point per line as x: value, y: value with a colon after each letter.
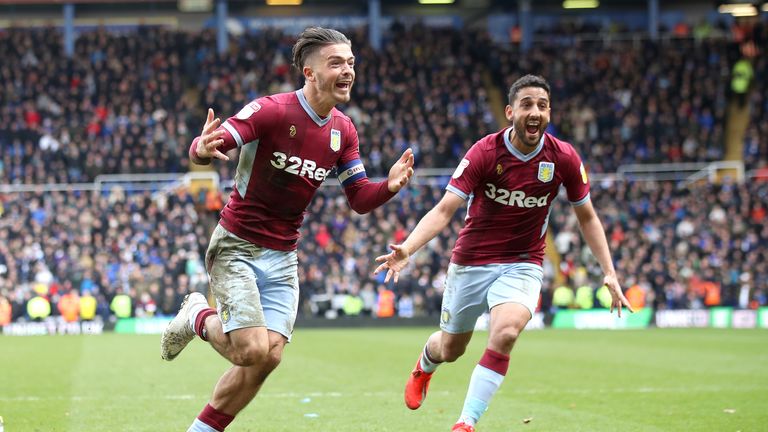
x: 332, y: 72
x: 529, y: 115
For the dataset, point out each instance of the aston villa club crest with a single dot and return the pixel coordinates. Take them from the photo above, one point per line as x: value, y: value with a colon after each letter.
x: 546, y: 171
x: 292, y: 131
x: 224, y: 313
x: 499, y: 169
x: 335, y: 140
x: 445, y: 316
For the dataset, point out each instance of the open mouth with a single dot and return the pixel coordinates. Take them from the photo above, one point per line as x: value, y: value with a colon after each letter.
x: 532, y: 128
x: 343, y: 85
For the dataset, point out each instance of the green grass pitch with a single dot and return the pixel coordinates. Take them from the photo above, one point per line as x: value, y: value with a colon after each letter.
x: 352, y: 380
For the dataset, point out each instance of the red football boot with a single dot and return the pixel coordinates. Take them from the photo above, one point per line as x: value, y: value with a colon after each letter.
x: 462, y: 427
x: 416, y: 387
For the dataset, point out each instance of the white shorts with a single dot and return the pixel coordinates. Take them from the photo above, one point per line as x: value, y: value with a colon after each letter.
x: 254, y: 286
x: 472, y: 290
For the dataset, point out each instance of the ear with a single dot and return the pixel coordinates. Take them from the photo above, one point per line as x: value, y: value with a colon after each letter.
x: 309, y: 74
x: 508, y: 112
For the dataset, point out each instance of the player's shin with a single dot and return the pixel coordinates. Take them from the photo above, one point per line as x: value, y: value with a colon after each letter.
x: 427, y: 362
x: 486, y: 380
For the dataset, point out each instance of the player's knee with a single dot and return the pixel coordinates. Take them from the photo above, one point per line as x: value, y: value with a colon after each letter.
x: 506, y: 337
x: 252, y: 354
x: 273, y: 360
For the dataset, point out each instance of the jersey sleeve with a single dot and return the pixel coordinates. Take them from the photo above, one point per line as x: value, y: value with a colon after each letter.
x: 469, y: 173
x: 247, y: 125
x: 575, y: 180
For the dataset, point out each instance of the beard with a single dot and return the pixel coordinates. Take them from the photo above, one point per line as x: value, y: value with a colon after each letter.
x: 329, y: 87
x: 525, y: 138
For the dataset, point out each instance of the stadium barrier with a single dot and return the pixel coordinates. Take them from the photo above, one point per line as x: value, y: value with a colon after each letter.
x: 52, y: 327
x: 718, y: 317
x: 141, y: 325
x: 602, y: 319
x: 155, y: 182
x: 687, y: 173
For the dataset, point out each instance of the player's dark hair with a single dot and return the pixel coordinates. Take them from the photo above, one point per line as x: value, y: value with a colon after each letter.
x: 528, y: 81
x: 311, y: 40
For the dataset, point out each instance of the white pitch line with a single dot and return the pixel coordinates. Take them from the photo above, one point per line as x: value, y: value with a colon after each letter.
x: 385, y: 394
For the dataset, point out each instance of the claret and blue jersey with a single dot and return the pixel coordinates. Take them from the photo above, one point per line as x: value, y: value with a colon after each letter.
x: 286, y: 152
x: 510, y: 197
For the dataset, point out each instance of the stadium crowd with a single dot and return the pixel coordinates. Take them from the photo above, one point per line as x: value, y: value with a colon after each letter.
x: 131, y: 104
x: 756, y: 139
x: 150, y: 249
x: 116, y: 107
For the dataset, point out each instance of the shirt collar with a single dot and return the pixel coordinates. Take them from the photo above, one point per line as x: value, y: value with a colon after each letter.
x: 310, y: 112
x: 517, y: 153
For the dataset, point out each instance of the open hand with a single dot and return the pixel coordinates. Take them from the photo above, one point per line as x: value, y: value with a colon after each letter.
x: 401, y: 172
x: 393, y: 262
x: 211, y: 139
x: 617, y: 296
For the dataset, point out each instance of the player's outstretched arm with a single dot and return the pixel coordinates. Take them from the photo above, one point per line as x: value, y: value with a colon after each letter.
x: 593, y: 232
x: 401, y: 172
x: 365, y: 196
x: 206, y: 146
x: 428, y: 227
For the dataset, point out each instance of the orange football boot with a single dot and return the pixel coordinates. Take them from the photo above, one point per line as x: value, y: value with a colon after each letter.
x: 417, y: 385
x: 462, y: 427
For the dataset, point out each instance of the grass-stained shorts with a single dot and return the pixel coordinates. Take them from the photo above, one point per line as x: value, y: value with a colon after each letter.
x: 472, y: 290
x: 253, y: 286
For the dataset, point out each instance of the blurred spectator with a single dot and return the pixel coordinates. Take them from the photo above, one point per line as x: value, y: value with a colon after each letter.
x: 385, y: 303
x: 563, y: 297
x: 353, y: 304
x: 69, y: 306
x: 636, y: 294
x: 121, y: 306
x: 87, y: 306
x: 38, y: 308
x: 5, y: 311
x: 741, y: 80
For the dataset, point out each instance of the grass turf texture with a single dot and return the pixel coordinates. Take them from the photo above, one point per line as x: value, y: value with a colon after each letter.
x: 352, y: 380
